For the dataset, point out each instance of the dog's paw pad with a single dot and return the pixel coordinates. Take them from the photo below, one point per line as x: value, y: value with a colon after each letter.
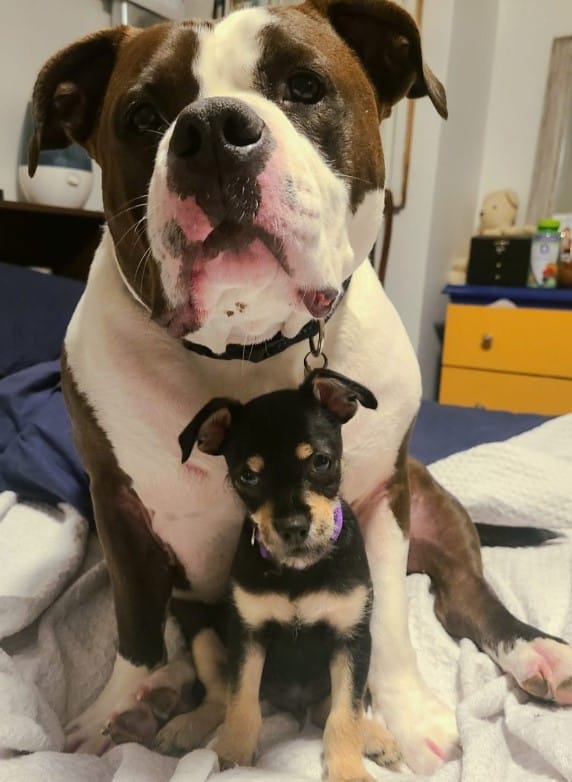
x: 163, y: 701
x: 137, y: 724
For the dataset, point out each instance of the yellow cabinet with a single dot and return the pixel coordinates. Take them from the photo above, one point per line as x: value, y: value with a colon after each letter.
x: 507, y: 358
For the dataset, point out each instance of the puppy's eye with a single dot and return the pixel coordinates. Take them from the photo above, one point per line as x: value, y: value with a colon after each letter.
x: 321, y: 462
x: 143, y: 117
x: 248, y: 477
x: 305, y: 87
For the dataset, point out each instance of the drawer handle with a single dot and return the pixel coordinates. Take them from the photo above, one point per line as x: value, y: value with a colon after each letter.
x: 487, y: 341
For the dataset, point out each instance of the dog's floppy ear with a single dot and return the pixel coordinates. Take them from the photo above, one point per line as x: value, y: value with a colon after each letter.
x: 338, y: 393
x: 209, y: 428
x: 69, y: 92
x: 386, y: 39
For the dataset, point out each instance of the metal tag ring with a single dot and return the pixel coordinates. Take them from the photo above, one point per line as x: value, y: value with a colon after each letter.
x: 308, y: 367
x: 316, y: 349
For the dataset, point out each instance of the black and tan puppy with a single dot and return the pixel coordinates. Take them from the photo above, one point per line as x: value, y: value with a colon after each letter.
x: 301, y: 590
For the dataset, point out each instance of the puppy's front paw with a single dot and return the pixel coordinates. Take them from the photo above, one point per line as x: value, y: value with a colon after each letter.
x: 363, y: 777
x: 232, y: 753
x: 190, y: 730
x: 379, y: 745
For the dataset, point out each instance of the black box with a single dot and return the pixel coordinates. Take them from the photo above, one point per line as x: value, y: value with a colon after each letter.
x: 499, y: 260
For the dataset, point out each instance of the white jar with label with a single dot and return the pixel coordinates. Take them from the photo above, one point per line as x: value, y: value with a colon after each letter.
x: 544, y: 255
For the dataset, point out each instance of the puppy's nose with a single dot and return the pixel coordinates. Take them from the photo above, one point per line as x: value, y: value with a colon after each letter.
x: 218, y: 130
x: 293, y: 529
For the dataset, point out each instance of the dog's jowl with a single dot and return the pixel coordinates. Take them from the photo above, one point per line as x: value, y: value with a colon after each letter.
x: 301, y: 592
x: 243, y: 186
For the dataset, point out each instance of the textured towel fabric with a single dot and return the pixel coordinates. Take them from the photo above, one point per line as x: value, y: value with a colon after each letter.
x: 55, y: 665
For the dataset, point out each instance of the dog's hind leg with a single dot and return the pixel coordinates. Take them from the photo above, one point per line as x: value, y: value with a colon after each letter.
x: 445, y: 545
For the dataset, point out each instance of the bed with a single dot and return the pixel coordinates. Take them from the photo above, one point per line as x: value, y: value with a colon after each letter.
x: 56, y: 625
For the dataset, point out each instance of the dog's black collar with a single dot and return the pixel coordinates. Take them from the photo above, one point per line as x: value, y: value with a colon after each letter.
x: 268, y: 348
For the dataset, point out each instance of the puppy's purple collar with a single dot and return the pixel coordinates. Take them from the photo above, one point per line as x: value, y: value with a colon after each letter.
x: 337, y: 531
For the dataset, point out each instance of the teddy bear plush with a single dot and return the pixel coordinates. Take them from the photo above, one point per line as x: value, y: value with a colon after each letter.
x: 496, y: 218
x: 498, y: 215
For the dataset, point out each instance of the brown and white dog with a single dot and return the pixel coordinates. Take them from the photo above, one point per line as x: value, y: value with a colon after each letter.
x: 243, y: 182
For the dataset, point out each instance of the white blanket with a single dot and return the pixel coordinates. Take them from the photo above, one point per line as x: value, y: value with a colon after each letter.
x: 57, y: 647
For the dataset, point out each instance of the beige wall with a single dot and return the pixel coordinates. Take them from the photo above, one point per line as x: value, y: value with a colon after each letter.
x: 492, y: 56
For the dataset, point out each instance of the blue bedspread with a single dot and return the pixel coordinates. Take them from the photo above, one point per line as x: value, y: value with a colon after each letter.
x: 37, y: 456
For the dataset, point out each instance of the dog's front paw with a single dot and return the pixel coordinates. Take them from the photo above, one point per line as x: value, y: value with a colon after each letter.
x: 137, y: 723
x: 190, y: 730
x: 233, y: 753
x: 363, y: 776
x: 424, y: 728
x: 379, y: 745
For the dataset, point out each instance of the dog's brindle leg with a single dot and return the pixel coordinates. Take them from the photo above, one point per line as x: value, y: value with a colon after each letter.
x: 424, y: 726
x: 131, y: 553
x: 444, y: 544
x: 238, y: 737
x: 343, y: 742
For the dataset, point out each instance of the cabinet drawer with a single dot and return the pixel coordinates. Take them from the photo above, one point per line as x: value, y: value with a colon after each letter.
x: 507, y: 339
x: 503, y: 391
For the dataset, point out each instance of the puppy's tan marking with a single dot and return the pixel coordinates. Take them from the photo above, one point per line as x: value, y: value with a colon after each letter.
x: 342, y: 612
x: 304, y: 451
x: 264, y: 520
x: 239, y: 734
x: 321, y: 508
x: 255, y: 463
x: 255, y: 609
x: 342, y: 734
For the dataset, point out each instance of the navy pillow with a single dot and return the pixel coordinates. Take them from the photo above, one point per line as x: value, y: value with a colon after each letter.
x: 35, y: 310
x: 38, y: 459
x: 37, y: 456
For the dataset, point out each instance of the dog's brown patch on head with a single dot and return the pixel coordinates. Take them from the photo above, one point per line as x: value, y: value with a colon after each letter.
x: 255, y: 463
x: 304, y: 451
x: 345, y: 125
x: 152, y: 66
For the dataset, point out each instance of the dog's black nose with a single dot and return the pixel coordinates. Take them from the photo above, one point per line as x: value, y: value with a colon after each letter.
x: 218, y: 130
x: 293, y: 529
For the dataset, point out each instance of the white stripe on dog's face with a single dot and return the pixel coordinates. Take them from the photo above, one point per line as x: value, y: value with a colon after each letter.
x: 305, y: 237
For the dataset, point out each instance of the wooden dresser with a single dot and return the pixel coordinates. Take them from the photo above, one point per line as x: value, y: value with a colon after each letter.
x: 509, y: 358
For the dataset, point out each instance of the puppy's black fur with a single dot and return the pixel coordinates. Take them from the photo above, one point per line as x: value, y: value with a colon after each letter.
x: 300, y: 593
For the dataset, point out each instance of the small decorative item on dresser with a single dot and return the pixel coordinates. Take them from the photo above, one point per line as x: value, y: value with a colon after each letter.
x: 565, y: 260
x: 499, y: 260
x: 64, y: 177
x: 544, y: 255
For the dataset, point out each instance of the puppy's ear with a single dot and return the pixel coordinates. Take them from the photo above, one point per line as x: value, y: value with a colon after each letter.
x: 209, y: 428
x: 69, y: 92
x: 386, y: 40
x: 338, y: 393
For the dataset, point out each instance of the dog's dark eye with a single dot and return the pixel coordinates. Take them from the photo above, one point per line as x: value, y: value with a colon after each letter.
x: 143, y: 117
x: 321, y: 462
x: 305, y: 87
x: 248, y: 477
